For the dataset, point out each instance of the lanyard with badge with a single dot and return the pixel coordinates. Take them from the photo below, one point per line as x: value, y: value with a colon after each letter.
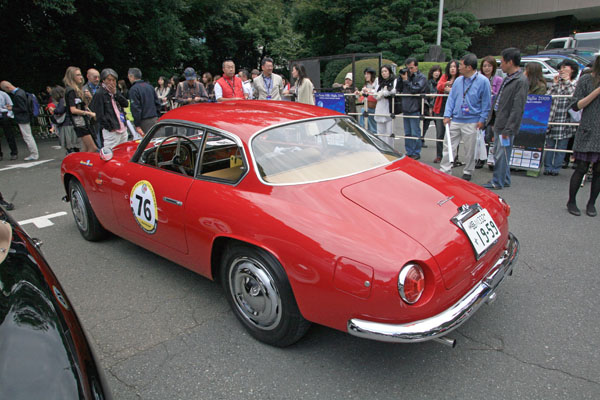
x: 232, y: 88
x: 465, y: 107
x: 268, y: 87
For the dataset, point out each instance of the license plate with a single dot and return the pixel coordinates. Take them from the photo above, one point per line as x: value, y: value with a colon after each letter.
x: 482, y: 231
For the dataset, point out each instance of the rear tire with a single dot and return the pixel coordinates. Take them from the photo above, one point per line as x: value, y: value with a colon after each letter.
x: 85, y: 219
x: 261, y: 297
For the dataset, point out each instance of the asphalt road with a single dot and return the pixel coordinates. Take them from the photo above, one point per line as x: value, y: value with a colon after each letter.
x: 162, y: 332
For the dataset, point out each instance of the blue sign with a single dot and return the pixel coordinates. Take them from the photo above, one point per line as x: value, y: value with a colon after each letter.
x: 332, y: 101
x: 535, y: 122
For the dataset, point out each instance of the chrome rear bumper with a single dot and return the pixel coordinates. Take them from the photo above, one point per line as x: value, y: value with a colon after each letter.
x: 448, y: 320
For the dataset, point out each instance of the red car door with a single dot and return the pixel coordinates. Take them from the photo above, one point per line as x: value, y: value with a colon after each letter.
x: 149, y: 201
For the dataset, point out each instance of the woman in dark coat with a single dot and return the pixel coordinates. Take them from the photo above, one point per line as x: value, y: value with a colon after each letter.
x: 586, y: 147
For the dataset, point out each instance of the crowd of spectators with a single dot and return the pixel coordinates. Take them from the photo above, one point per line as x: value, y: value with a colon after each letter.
x: 467, y: 101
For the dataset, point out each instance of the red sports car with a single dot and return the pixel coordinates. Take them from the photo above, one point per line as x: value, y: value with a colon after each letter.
x: 302, y: 216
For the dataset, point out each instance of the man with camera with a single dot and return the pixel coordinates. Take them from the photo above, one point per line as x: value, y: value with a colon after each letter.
x: 412, y: 82
x: 468, y: 107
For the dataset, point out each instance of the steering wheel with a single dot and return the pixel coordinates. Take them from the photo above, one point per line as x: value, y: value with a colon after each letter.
x: 178, y: 157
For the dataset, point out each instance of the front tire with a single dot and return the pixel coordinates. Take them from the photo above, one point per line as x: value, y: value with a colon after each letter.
x: 261, y: 297
x: 85, y: 219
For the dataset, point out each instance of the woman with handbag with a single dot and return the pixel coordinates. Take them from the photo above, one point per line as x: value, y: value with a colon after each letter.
x: 66, y: 132
x: 77, y: 110
x: 370, y: 88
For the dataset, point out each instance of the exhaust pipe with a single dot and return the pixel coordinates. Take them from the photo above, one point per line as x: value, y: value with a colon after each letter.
x: 446, y: 341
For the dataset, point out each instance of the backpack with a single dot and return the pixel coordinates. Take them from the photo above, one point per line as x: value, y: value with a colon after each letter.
x: 33, y: 104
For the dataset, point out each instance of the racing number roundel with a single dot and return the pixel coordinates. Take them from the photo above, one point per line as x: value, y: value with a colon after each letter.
x: 143, y: 204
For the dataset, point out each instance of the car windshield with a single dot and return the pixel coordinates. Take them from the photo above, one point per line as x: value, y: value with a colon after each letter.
x: 317, y: 150
x: 559, y: 44
x: 554, y: 61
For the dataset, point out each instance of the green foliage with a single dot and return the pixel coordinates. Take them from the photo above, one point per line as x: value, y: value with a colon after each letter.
x: 360, y: 66
x: 41, y: 38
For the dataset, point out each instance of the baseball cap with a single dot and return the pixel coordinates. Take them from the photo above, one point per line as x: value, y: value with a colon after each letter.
x: 349, y: 76
x: 189, y: 73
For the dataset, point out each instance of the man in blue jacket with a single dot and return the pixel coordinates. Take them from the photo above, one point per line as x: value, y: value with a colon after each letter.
x: 145, y: 106
x: 468, y: 107
x: 413, y: 82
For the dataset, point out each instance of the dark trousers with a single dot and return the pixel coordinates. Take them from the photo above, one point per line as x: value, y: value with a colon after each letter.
x: 440, y: 132
x: 9, y: 133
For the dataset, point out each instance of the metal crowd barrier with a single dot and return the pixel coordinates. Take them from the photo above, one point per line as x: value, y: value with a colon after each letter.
x: 422, y: 117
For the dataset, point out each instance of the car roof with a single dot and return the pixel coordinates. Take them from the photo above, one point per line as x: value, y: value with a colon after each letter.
x: 246, y: 117
x: 573, y: 57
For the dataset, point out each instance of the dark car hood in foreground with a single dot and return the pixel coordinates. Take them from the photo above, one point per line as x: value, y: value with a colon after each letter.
x: 421, y: 202
x: 43, y: 351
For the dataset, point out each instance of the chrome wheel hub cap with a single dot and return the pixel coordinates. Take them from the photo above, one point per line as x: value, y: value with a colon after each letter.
x: 79, y: 211
x: 254, y: 293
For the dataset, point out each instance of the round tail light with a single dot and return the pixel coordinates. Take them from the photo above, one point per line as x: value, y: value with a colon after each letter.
x: 411, y: 283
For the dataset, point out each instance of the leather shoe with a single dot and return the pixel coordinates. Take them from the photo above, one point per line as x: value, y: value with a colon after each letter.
x: 491, y: 186
x: 13, y: 157
x: 479, y: 164
x: 7, y: 205
x: 591, y: 210
x: 466, y: 177
x: 573, y: 209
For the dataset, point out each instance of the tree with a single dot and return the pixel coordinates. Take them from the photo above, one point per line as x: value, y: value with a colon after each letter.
x: 398, y: 29
x: 44, y: 37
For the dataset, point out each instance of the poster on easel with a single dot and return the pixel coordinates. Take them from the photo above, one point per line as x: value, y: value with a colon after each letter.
x: 529, y: 143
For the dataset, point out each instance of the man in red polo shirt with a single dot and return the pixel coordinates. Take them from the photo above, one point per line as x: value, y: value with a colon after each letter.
x: 229, y: 87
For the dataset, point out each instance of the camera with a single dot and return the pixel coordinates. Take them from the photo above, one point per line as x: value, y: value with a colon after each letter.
x: 403, y: 71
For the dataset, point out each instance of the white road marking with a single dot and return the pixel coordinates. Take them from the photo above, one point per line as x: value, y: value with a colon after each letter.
x: 25, y: 165
x: 43, y: 221
x: 57, y: 147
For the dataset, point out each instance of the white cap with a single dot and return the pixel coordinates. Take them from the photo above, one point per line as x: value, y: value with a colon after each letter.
x: 349, y: 75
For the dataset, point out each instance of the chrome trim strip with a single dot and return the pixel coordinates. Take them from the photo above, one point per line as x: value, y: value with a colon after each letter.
x: 448, y: 320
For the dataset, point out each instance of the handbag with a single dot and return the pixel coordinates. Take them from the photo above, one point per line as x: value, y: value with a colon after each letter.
x: 574, y: 116
x: 480, y: 150
x: 371, y: 102
x: 79, y: 121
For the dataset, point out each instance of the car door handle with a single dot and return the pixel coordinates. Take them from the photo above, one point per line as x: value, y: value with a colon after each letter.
x: 173, y: 201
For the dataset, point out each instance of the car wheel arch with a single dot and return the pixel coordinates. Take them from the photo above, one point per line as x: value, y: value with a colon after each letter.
x: 219, y: 250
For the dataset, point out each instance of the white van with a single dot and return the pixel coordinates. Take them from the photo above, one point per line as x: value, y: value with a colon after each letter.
x: 584, y: 39
x: 588, y: 39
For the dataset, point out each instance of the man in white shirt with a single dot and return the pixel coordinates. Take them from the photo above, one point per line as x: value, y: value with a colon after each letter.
x: 246, y: 82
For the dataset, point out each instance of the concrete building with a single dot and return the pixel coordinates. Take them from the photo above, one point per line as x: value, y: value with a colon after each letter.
x: 528, y: 25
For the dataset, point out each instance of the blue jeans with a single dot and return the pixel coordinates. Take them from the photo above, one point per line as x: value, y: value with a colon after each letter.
x: 502, y: 162
x: 412, y: 128
x: 553, y: 160
x: 372, y: 125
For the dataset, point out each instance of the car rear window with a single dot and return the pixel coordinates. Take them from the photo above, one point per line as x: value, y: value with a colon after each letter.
x: 317, y: 150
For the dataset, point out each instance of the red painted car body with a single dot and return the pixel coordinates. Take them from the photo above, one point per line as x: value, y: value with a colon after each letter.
x: 340, y: 241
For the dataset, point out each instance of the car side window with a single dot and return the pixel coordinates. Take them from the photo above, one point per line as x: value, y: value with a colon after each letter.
x: 222, y: 159
x: 173, y: 148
